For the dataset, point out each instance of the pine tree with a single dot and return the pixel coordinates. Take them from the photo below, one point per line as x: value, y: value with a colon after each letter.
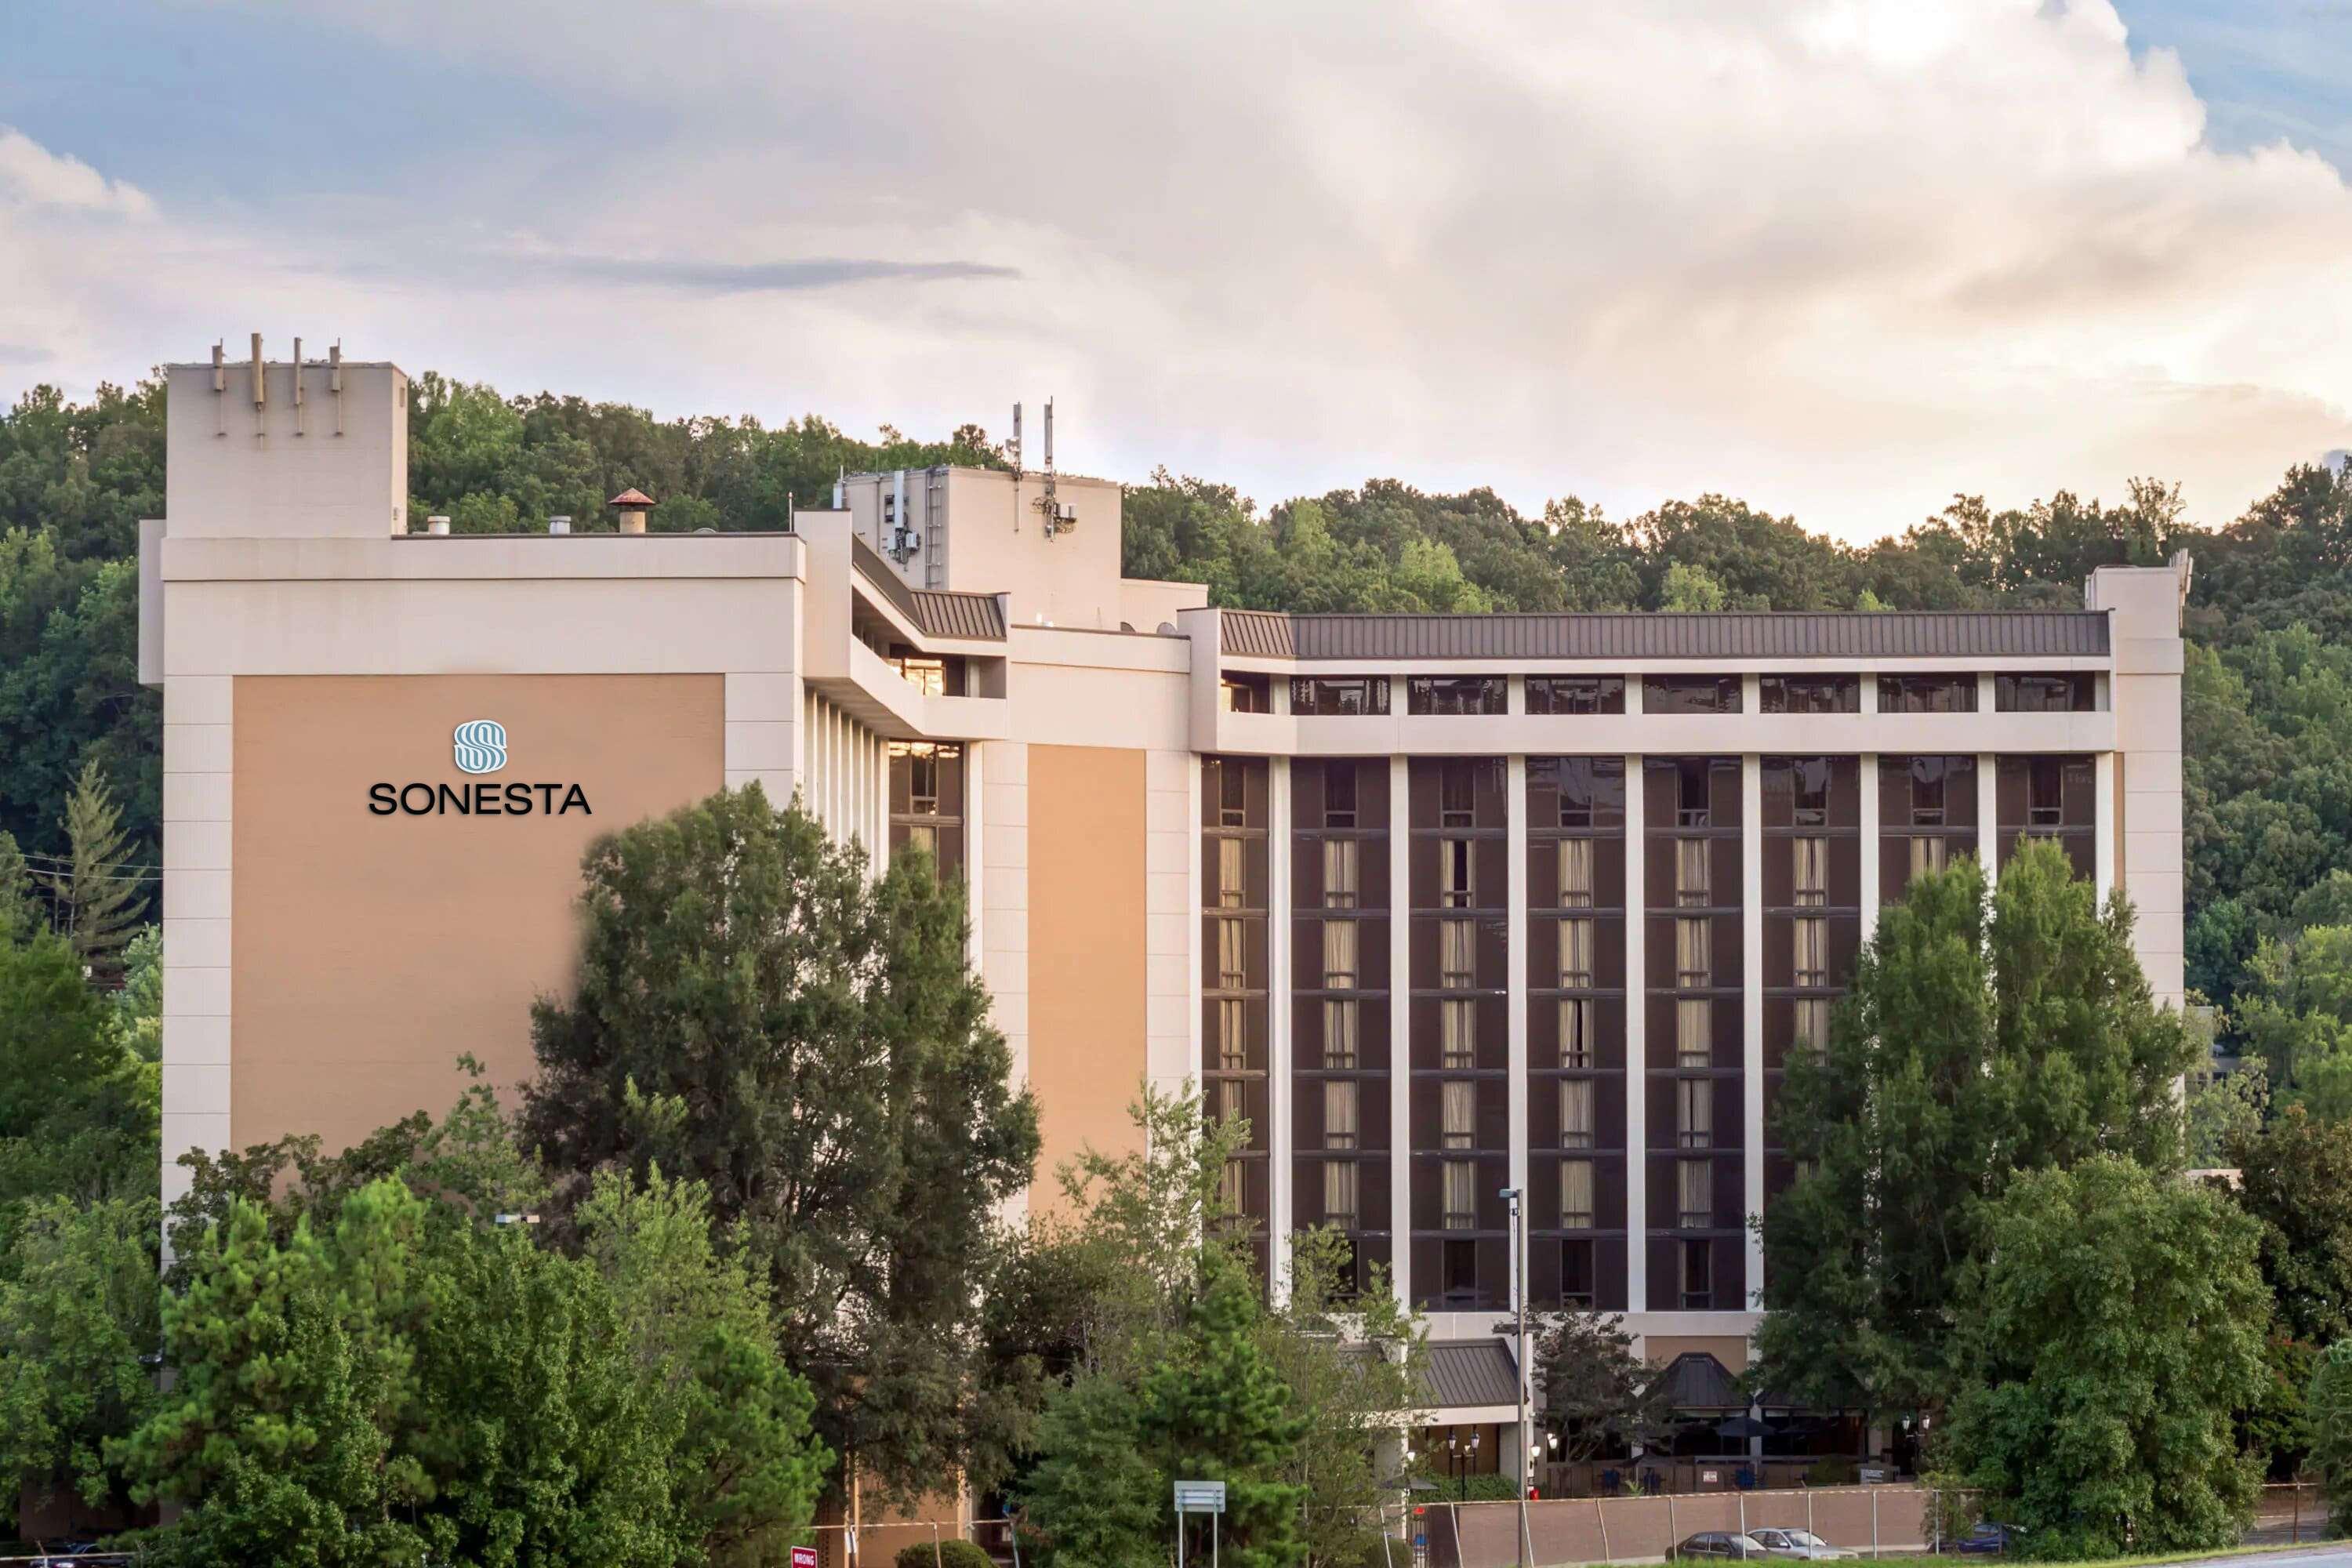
x: 98, y: 901
x: 17, y: 911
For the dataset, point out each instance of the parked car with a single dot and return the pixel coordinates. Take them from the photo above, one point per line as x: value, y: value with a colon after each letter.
x: 1801, y: 1545
x: 1721, y: 1543
x: 76, y: 1554
x: 1987, y: 1540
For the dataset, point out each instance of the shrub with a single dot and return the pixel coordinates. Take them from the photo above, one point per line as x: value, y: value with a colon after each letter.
x: 955, y: 1553
x: 1833, y: 1470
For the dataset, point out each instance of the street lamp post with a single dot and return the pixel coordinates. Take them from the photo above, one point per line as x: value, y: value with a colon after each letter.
x: 1520, y: 1311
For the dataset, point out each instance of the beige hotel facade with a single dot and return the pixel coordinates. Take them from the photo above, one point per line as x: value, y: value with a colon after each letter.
x: 1443, y: 905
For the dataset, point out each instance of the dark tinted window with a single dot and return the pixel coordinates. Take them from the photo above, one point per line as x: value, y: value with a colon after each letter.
x: 2065, y: 693
x: 1690, y: 694
x: 1575, y: 694
x: 1809, y: 694
x: 1455, y: 694
x: 1927, y: 694
x: 1340, y: 695
x: 1247, y: 694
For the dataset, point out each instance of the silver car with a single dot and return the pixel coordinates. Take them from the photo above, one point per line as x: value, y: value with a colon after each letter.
x: 1797, y: 1544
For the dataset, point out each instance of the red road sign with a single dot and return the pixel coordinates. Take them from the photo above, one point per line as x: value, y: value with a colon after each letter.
x: 803, y: 1557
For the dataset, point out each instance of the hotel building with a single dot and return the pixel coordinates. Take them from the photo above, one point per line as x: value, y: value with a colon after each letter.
x: 1442, y: 904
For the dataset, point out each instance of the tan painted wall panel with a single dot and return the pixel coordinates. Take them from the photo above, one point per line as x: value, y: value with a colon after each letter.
x: 1087, y: 941
x: 369, y: 952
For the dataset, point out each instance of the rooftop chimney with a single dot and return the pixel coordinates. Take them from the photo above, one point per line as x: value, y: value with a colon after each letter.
x: 437, y: 525
x: 559, y: 525
x: 631, y: 504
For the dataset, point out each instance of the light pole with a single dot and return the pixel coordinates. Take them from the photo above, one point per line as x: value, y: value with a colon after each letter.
x: 1520, y: 1311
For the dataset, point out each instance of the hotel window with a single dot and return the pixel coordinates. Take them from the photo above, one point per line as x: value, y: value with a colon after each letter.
x: 1811, y: 881
x: 1229, y: 1100
x: 1591, y: 791
x: 923, y: 780
x: 1930, y: 855
x: 1339, y: 1110
x: 1809, y: 694
x: 1339, y: 955
x: 1340, y: 1194
x: 1928, y: 784
x: 1458, y: 1111
x: 1694, y: 1113
x: 1576, y: 873
x: 1232, y: 955
x: 1576, y: 1101
x: 1457, y: 954
x: 925, y: 836
x: 1247, y: 693
x: 1460, y: 1195
x: 1694, y: 1031
x: 1232, y: 1188
x: 1690, y: 791
x: 1457, y: 1044
x: 1576, y: 955
x: 1693, y: 952
x: 1690, y: 694
x: 1698, y: 1276
x: 2044, y: 693
x: 1812, y: 952
x: 1232, y: 795
x: 1576, y: 1195
x: 1809, y: 800
x: 1232, y: 1036
x: 1576, y: 1032
x: 1231, y: 885
x: 1927, y: 694
x: 1575, y: 694
x: 2045, y: 805
x: 1339, y: 696
x: 928, y: 675
x: 1455, y: 694
x: 1338, y: 1034
x: 1813, y: 1025
x: 1576, y: 1273
x: 1457, y: 878
x: 1457, y: 794
x: 1340, y: 859
x: 1694, y: 1194
x: 1690, y: 881
x: 1338, y: 795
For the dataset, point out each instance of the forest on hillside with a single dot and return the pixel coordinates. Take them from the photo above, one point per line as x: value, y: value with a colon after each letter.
x: 2268, y: 693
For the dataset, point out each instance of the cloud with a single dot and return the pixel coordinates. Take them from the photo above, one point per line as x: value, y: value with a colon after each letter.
x: 31, y: 175
x: 1841, y: 257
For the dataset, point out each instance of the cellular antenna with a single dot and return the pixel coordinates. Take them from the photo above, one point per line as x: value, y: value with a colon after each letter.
x: 1060, y: 515
x: 1013, y: 447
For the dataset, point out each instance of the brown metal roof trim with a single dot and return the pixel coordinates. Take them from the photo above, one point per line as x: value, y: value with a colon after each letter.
x: 971, y: 618
x: 1888, y: 633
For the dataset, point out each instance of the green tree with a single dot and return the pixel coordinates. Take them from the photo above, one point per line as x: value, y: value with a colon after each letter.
x: 1597, y: 1394
x: 79, y: 1112
x: 2296, y: 1180
x: 1982, y: 1038
x: 2113, y: 1324
x: 752, y: 1014
x: 2222, y: 1107
x: 1687, y: 590
x: 2297, y: 1014
x: 2330, y: 1403
x: 97, y: 897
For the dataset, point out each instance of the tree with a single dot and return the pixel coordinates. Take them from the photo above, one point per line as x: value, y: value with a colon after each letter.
x: 2330, y: 1402
x: 753, y: 1015
x: 2297, y: 1013
x: 1981, y: 1038
x: 2296, y: 1180
x: 2222, y: 1107
x: 98, y: 901
x: 1596, y: 1393
x: 2112, y: 1326
x: 1688, y: 590
x: 79, y: 1113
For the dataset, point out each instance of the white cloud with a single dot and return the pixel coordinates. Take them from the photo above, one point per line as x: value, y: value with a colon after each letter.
x: 1842, y: 259
x: 31, y: 175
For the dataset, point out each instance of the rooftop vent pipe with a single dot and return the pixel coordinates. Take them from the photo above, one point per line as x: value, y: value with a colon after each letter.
x: 437, y: 525
x: 559, y: 525
x: 631, y: 504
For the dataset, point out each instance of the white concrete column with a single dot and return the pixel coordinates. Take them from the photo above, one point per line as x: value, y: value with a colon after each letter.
x: 1399, y: 1030
x: 1002, y: 897
x: 1280, y: 1136
x: 1987, y: 813
x: 199, y: 790
x: 975, y: 852
x: 1637, y: 1021
x: 1514, y: 785
x: 2103, y: 814
x: 1751, y: 1006
x: 1866, y: 776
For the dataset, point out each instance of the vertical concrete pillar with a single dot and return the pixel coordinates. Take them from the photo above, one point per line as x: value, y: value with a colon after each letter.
x: 1399, y: 1030
x: 1751, y: 1007
x: 1637, y: 1019
x: 1280, y: 1198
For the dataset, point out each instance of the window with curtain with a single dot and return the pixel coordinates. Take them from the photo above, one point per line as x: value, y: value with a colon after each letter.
x: 1457, y: 1034
x: 1457, y: 874
x: 1812, y: 869
x: 1694, y: 1193
x: 1340, y: 1103
x: 1338, y: 795
x: 1339, y: 955
x: 1812, y: 945
x: 1232, y: 1035
x: 1233, y: 1188
x: 1576, y: 1021
x: 1694, y: 1031
x: 1690, y: 881
x: 1576, y: 873
x: 1457, y: 954
x: 1576, y: 955
x: 1458, y: 1114
x: 1930, y: 855
x: 1576, y: 1195
x: 1232, y: 955
x: 1232, y: 882
x: 1693, y: 952
x: 1694, y: 1113
x: 1698, y: 1276
x: 1230, y: 1105
x: 1460, y: 1194
x: 1813, y: 1025
x: 1340, y: 1194
x: 1338, y: 1034
x: 1579, y: 1098
x: 1339, y: 863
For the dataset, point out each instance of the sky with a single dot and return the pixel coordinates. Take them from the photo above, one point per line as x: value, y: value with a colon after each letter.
x: 1841, y: 259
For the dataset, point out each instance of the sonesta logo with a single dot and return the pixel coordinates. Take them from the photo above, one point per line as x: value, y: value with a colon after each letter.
x: 478, y: 746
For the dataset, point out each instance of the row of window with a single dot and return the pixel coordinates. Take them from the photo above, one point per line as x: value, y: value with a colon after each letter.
x: 1357, y: 696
